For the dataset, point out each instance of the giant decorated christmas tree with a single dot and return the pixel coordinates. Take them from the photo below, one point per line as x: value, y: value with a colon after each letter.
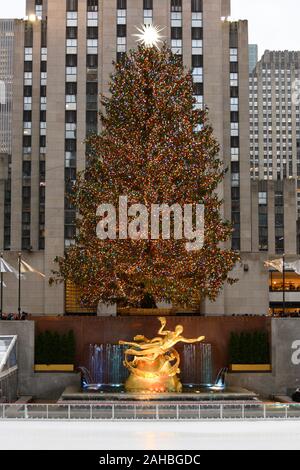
x: 154, y: 148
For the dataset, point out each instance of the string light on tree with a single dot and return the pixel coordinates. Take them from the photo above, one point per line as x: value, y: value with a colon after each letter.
x: 149, y: 35
x: 148, y: 151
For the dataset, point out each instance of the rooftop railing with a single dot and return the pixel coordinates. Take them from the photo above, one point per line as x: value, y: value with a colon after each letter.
x: 155, y: 412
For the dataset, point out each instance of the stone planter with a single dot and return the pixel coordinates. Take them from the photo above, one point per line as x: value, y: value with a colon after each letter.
x: 250, y: 368
x: 54, y: 368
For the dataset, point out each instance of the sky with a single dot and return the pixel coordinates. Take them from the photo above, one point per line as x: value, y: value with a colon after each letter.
x: 273, y: 24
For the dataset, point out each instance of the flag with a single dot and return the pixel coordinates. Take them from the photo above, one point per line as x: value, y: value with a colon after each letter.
x: 295, y: 266
x: 5, y: 267
x: 275, y: 263
x: 26, y: 268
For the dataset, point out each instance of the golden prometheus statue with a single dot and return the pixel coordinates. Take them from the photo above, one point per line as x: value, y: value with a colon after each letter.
x: 154, y: 363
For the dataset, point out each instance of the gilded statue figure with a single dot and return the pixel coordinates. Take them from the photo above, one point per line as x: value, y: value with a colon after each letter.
x: 154, y: 363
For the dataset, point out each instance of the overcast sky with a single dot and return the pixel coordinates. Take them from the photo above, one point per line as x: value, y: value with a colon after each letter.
x: 273, y: 24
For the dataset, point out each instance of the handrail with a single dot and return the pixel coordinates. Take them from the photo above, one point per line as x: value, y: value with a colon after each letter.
x: 121, y: 411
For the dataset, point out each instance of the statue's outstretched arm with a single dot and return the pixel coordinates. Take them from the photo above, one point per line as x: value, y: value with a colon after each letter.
x: 156, y: 340
x: 127, y: 343
x: 142, y: 338
x: 163, y: 322
x: 191, y: 341
x: 144, y: 353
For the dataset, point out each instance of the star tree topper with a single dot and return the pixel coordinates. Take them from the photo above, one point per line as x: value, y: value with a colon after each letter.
x: 149, y: 35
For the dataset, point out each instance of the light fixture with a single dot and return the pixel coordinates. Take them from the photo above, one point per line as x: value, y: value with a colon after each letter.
x: 149, y: 35
x: 32, y: 18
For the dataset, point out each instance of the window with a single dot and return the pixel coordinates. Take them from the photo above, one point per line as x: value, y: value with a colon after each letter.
x: 27, y: 103
x: 28, y: 54
x: 92, y: 61
x: 71, y: 46
x: 39, y: 8
x: 197, y: 5
x: 72, y: 18
x: 28, y: 78
x: 234, y: 127
x: 92, y: 5
x: 198, y: 102
x: 92, y: 18
x: 121, y: 17
x: 176, y: 46
x: 71, y: 33
x: 234, y: 104
x: 176, y: 5
x: 121, y: 30
x: 121, y: 44
x: 197, y: 47
x: 92, y: 46
x: 44, y: 54
x: 176, y: 19
x: 197, y: 20
x: 234, y: 79
x: 70, y: 131
x: 71, y: 74
x: 198, y: 75
x: 92, y: 32
x: 148, y: 17
x: 233, y: 55
x: 72, y: 5
x: 121, y: 4
x: 176, y: 33
x: 234, y: 154
x: 262, y: 198
x: 235, y: 179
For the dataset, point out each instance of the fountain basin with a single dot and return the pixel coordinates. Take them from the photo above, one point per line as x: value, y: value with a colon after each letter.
x: 190, y: 393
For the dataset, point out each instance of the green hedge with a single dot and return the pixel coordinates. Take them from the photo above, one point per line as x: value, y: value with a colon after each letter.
x: 249, y: 348
x: 53, y: 348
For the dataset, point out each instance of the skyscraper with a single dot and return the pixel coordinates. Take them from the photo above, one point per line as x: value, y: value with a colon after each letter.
x: 275, y: 117
x: 64, y: 57
x: 253, y: 56
x: 275, y: 164
x: 8, y: 28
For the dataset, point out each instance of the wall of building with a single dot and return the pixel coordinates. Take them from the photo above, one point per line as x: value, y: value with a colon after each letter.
x: 217, y: 64
x: 268, y: 190
x: 285, y: 376
x: 42, y: 385
x: 250, y: 294
x: 110, y: 330
x: 32, y: 285
x: 284, y: 335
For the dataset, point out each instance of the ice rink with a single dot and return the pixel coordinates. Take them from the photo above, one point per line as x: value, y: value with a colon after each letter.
x: 149, y: 435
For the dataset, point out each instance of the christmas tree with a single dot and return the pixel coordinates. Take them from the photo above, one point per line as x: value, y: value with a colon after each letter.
x: 155, y: 148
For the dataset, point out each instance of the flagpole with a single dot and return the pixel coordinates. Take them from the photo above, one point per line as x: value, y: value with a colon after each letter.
x: 1, y: 295
x: 283, y: 278
x: 19, y: 296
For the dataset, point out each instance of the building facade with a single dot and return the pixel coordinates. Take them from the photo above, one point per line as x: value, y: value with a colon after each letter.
x: 274, y: 103
x: 253, y: 57
x: 275, y: 117
x: 63, y: 61
x: 8, y: 29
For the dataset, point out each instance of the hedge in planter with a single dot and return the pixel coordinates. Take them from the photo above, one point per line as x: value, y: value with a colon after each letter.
x: 249, y: 348
x: 53, y: 348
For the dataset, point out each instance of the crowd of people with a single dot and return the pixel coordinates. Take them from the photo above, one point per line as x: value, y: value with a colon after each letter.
x: 14, y: 316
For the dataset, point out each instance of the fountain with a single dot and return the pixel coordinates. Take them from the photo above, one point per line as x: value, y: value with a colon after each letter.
x: 106, y: 364
x: 106, y: 369
x: 160, y: 369
x: 148, y: 369
x: 197, y: 364
x: 154, y: 363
